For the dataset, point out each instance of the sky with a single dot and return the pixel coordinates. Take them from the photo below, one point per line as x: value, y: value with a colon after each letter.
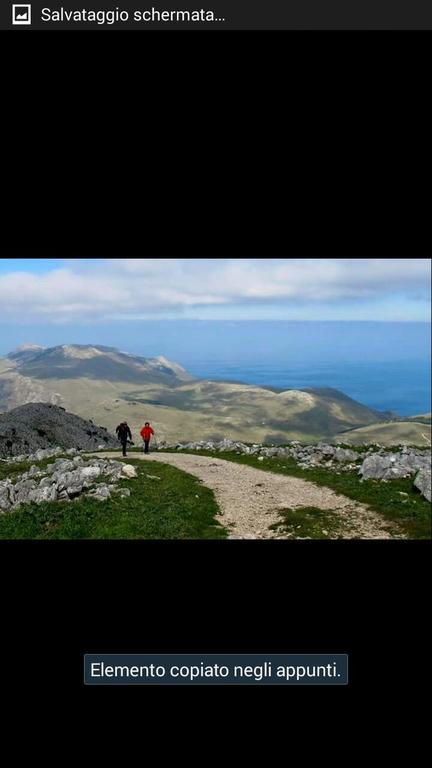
x: 362, y: 325
x: 77, y: 292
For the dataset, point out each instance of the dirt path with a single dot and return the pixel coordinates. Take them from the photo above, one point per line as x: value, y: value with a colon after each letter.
x: 250, y: 500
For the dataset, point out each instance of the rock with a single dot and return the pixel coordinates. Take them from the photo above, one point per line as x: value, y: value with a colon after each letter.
x: 122, y: 492
x: 327, y: 450
x: 396, y: 472
x: 61, y: 465
x: 89, y: 473
x: 25, y: 485
x: 343, y: 454
x: 39, y: 495
x: 113, y: 471
x: 5, y: 502
x: 153, y: 477
x: 65, y: 480
x: 44, y: 430
x: 396, y: 465
x: 129, y: 471
x: 423, y: 483
x: 100, y: 493
x: 375, y: 467
x: 47, y: 453
x: 73, y: 491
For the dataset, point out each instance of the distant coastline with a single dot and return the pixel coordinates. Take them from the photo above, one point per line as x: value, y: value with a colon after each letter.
x: 402, y: 387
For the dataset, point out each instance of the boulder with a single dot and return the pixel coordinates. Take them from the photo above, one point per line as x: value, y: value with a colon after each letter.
x: 64, y: 480
x: 100, y: 493
x: 73, y: 491
x: 39, y: 495
x: 375, y: 467
x: 380, y: 466
x: 344, y: 454
x: 46, y: 482
x: 90, y: 473
x: 61, y: 465
x: 129, y: 471
x: 327, y: 450
x: 47, y: 453
x: 5, y: 501
x: 423, y: 483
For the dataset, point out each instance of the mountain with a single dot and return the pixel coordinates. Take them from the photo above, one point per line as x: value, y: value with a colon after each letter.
x: 96, y: 362
x: 423, y: 418
x: 108, y: 386
x: 25, y: 429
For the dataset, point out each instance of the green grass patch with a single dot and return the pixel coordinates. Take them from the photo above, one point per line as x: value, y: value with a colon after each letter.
x: 410, y: 511
x: 176, y: 507
x: 309, y: 523
x: 13, y: 470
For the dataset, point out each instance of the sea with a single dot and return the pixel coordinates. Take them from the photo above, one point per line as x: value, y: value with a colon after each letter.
x: 386, y: 366
x: 403, y: 387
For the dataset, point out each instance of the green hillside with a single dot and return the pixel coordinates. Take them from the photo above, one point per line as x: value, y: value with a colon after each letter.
x: 387, y: 434
x: 108, y: 386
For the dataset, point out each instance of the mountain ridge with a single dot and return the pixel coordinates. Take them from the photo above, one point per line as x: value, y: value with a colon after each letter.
x: 102, y: 383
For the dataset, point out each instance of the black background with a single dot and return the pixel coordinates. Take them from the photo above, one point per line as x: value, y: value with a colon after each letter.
x: 240, y: 145
x: 251, y: 14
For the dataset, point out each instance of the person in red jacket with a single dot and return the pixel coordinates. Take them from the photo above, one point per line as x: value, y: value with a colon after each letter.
x: 146, y: 434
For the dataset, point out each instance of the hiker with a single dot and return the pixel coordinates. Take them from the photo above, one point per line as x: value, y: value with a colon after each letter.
x: 146, y: 434
x: 123, y: 434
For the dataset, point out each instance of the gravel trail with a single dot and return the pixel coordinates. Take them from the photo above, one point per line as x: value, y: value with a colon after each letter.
x: 250, y: 500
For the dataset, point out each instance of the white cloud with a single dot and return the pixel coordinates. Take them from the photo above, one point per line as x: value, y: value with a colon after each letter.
x: 140, y: 287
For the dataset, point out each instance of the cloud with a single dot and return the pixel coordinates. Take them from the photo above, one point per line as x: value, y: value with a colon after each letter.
x: 128, y: 288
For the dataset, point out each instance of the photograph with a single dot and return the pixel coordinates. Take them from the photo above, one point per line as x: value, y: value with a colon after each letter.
x: 284, y: 399
x: 215, y: 375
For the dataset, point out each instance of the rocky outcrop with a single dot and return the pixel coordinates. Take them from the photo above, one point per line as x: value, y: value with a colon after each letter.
x: 306, y: 456
x: 423, y: 483
x: 376, y: 463
x: 66, y: 480
x: 394, y: 465
x: 40, y: 426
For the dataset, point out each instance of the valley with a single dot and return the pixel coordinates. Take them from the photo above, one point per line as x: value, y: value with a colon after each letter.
x: 108, y: 386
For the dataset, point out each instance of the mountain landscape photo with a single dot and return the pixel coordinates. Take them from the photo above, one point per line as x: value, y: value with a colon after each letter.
x: 221, y: 361
x: 107, y: 385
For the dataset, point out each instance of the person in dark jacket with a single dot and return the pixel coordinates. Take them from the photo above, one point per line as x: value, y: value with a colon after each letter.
x: 124, y: 434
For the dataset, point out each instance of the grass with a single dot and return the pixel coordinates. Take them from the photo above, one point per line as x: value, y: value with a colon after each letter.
x: 398, y: 501
x: 170, y: 509
x: 176, y: 507
x: 14, y: 470
x: 309, y: 523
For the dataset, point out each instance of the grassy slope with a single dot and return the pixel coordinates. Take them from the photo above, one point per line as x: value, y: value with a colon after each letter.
x: 394, y: 433
x: 411, y: 512
x: 422, y: 418
x: 170, y: 509
x: 210, y: 409
x: 176, y: 507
